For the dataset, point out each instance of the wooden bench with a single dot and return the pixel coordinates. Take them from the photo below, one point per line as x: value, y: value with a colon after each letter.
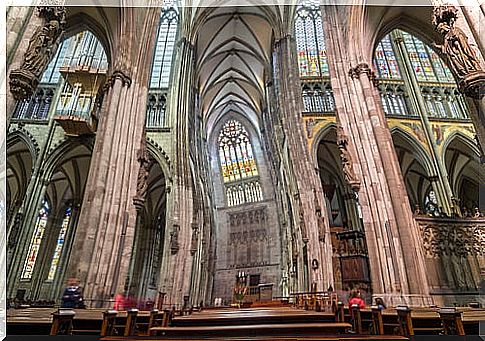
x: 62, y: 322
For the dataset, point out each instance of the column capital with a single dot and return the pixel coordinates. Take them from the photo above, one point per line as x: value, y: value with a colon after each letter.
x: 117, y: 74
x: 363, y: 68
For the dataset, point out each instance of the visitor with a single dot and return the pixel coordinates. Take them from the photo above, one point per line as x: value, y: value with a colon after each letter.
x: 355, y: 298
x: 380, y: 303
x: 72, y: 296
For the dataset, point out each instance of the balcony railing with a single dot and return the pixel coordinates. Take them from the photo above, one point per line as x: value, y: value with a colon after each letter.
x: 243, y: 192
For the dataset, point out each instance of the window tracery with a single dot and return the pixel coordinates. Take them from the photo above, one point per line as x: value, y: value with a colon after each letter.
x: 162, y: 65
x: 438, y: 88
x: 239, y: 170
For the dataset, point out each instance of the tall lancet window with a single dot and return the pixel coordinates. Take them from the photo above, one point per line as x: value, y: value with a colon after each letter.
x: 239, y: 169
x: 162, y: 65
x: 60, y: 244
x: 312, y: 58
x: 36, y: 240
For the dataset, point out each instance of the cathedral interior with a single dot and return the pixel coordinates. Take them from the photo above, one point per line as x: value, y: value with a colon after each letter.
x: 167, y: 152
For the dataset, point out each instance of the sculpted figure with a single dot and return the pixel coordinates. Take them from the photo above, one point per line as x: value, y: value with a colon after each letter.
x: 461, y: 56
x: 41, y: 46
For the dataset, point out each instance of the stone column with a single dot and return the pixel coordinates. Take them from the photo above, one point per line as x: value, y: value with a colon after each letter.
x: 177, y: 263
x: 396, y: 260
x: 103, y: 243
x: 34, y: 51
x: 303, y: 175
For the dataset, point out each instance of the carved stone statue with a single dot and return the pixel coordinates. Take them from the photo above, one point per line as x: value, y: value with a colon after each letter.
x: 145, y: 162
x: 174, y: 239
x: 461, y: 57
x: 345, y: 157
x: 42, y: 46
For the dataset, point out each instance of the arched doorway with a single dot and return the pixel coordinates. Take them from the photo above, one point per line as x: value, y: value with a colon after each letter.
x: 150, y: 239
x: 350, y: 260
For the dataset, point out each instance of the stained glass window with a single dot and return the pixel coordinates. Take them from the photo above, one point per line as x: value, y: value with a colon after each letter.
x: 238, y: 165
x: 385, y: 60
x: 236, y: 152
x: 36, y: 240
x: 440, y: 99
x: 60, y: 243
x: 310, y: 43
x: 162, y: 60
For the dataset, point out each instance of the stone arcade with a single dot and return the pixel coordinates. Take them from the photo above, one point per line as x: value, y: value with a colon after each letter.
x: 163, y: 151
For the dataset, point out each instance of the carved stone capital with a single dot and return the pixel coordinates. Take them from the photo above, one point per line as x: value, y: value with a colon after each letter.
x: 117, y: 74
x: 361, y: 68
x: 22, y: 83
x: 444, y: 14
x: 473, y: 85
x: 57, y: 13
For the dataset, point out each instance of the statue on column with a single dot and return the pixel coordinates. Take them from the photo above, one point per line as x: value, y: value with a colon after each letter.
x: 145, y: 162
x: 42, y: 46
x: 462, y: 59
x: 346, y: 158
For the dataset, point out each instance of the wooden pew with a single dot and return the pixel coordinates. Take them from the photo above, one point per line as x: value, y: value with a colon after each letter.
x: 452, y: 321
x: 377, y: 323
x: 405, y: 321
x: 130, y: 326
x: 108, y: 325
x: 356, y: 319
x: 62, y: 322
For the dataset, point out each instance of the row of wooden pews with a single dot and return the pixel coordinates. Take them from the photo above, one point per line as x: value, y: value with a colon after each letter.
x: 405, y: 322
x: 113, y: 323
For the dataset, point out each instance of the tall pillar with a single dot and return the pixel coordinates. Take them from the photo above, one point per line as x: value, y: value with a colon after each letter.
x: 103, y: 243
x: 396, y: 259
x: 177, y: 264
x: 314, y: 233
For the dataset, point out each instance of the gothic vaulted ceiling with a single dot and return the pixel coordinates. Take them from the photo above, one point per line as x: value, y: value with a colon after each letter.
x: 233, y: 52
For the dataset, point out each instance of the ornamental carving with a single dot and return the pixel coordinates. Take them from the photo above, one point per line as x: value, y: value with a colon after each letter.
x: 146, y: 162
x: 346, y: 158
x: 42, y: 46
x: 250, y: 217
x: 174, y: 239
x: 361, y: 68
x: 462, y: 59
x: 460, y: 240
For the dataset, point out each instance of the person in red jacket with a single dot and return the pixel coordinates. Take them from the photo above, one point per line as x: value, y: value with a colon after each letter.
x: 356, y: 299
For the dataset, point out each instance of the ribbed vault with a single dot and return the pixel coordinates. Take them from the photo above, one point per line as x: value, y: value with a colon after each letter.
x: 233, y: 55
